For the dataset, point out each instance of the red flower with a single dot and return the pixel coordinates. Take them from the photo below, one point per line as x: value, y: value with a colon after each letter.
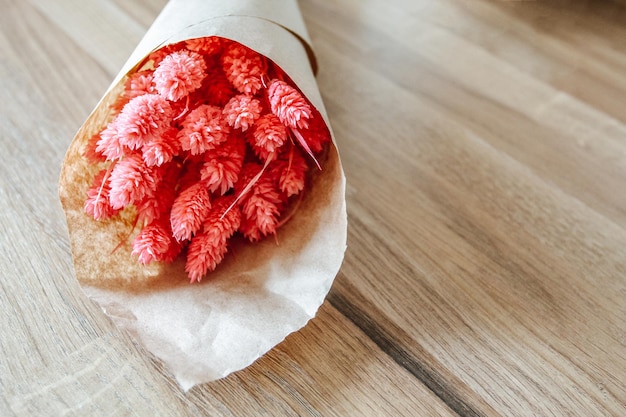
x: 243, y: 68
x: 209, y: 45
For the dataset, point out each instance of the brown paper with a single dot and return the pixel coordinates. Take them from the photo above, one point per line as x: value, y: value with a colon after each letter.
x: 261, y: 292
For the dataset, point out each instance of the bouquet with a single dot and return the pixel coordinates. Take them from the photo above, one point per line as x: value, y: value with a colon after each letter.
x: 204, y: 195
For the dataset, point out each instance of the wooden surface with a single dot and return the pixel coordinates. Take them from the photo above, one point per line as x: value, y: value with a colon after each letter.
x: 485, y: 149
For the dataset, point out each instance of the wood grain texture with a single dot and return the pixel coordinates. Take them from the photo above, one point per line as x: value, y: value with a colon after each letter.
x: 485, y: 149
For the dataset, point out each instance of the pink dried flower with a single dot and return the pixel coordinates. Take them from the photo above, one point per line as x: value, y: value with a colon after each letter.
x: 207, y: 249
x: 242, y: 111
x: 138, y: 84
x: 243, y: 68
x: 161, y: 149
x: 269, y: 134
x: 288, y: 104
x: 97, y: 204
x: 261, y: 209
x: 179, y: 74
x: 110, y: 144
x: 202, y: 129
x: 142, y: 119
x: 222, y: 165
x: 130, y: 181
x: 156, y: 205
x: 210, y: 45
x: 160, y: 54
x: 189, y: 211
x: 290, y: 172
x: 153, y: 242
x: 91, y: 152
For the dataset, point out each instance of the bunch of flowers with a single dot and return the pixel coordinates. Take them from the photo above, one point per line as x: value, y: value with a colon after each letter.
x: 209, y: 140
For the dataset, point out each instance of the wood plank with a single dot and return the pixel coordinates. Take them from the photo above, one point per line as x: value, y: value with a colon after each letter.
x: 497, y: 260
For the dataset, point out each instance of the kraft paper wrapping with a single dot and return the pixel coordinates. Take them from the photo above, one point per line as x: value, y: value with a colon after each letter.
x: 261, y: 292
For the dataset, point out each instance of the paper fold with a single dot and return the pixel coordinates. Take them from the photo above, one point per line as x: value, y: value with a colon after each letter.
x: 261, y: 292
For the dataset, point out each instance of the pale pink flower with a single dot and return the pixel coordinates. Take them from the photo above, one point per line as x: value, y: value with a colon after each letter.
x: 153, y: 242
x: 288, y: 104
x: 269, y: 134
x: 202, y: 129
x: 161, y: 149
x: 210, y: 45
x: 222, y: 165
x: 241, y: 111
x: 243, y: 68
x: 179, y: 74
x: 189, y: 210
x: 142, y: 119
x: 130, y: 181
x: 97, y: 204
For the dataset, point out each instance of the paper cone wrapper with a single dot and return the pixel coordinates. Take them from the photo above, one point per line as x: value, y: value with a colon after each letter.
x: 261, y: 292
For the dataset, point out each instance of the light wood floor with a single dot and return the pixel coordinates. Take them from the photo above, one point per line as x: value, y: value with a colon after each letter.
x: 484, y: 144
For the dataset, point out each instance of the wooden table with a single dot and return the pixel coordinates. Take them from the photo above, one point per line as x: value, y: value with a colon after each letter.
x: 484, y: 145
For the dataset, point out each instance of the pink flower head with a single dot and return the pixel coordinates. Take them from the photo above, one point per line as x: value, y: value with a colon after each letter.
x: 269, y: 134
x: 261, y: 209
x: 161, y: 149
x: 110, y: 144
x: 290, y: 172
x: 207, y: 249
x: 153, y: 242
x: 138, y: 84
x: 242, y: 111
x: 202, y: 129
x: 142, y: 119
x: 130, y: 181
x: 210, y: 45
x: 243, y: 68
x: 288, y: 104
x: 91, y: 152
x: 220, y: 172
x: 97, y: 204
x: 189, y: 211
x: 179, y: 74
x: 156, y: 205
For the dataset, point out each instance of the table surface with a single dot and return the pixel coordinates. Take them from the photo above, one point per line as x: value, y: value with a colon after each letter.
x: 484, y: 144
